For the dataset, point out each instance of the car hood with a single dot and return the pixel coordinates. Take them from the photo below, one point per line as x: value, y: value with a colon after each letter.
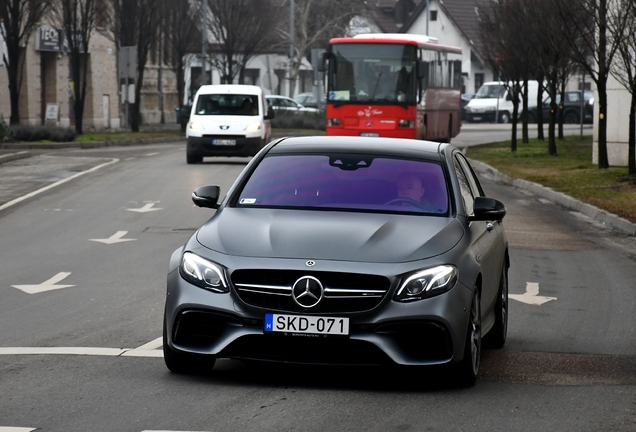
x: 329, y: 235
x: 224, y: 124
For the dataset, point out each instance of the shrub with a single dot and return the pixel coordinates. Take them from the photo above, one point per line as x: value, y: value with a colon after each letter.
x: 41, y: 133
x: 4, y: 130
x: 299, y: 120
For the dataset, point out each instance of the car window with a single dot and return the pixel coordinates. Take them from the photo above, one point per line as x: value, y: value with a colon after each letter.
x: 464, y: 187
x: 227, y: 104
x: 473, y: 181
x: 573, y: 97
x: 347, y: 182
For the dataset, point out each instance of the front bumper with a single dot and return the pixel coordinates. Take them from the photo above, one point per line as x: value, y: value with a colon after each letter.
x: 486, y: 116
x: 203, y: 146
x: 425, y: 332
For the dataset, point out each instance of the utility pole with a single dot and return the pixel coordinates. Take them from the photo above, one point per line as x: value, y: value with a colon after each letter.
x: 204, y: 42
x: 291, y: 48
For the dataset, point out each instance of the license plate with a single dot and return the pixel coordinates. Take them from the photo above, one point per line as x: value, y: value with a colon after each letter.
x: 477, y: 118
x: 277, y: 323
x: 369, y: 134
x: 223, y: 142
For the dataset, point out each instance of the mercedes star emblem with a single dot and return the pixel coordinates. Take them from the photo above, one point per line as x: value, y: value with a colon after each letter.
x: 310, y: 263
x: 307, y: 292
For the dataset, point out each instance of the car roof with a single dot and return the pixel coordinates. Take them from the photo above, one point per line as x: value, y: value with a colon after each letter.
x: 349, y: 144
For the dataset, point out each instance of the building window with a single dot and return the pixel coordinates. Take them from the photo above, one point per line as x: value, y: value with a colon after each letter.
x: 433, y: 15
x: 250, y: 76
x: 479, y: 81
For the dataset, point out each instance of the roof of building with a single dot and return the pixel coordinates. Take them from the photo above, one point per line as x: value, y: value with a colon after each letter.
x: 464, y: 13
x: 390, y: 15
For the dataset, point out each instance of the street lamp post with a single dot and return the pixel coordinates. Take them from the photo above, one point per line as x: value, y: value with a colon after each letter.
x: 291, y: 48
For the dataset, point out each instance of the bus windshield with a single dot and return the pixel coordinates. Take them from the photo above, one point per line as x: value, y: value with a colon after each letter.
x: 372, y: 73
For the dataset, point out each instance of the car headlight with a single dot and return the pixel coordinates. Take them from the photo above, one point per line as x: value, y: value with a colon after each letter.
x: 427, y: 283
x: 196, y: 126
x: 203, y: 273
x: 253, y: 127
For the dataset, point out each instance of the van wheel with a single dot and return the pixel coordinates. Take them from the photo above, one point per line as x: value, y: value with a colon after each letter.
x: 193, y: 159
x: 504, y: 117
x: 571, y: 117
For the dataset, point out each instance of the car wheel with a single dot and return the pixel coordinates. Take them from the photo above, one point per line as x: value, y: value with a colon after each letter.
x: 496, y: 337
x: 571, y: 117
x: 184, y: 363
x: 468, y: 368
x: 192, y: 159
x: 504, y: 117
x: 532, y: 117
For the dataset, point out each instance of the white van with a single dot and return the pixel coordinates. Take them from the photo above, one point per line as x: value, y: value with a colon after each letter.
x: 492, y: 101
x: 228, y: 120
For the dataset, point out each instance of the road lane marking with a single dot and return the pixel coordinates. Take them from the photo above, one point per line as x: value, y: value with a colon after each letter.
x: 48, y: 285
x: 147, y: 208
x: 146, y: 350
x: 115, y: 238
x: 16, y: 429
x: 152, y: 154
x: 52, y: 185
x: 531, y: 296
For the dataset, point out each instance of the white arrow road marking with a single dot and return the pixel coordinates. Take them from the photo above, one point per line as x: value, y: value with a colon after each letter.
x: 48, y: 285
x: 147, y: 350
x: 147, y: 208
x: 531, y: 296
x: 115, y: 238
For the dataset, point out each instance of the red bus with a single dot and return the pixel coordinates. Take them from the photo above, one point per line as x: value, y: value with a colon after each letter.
x: 393, y: 85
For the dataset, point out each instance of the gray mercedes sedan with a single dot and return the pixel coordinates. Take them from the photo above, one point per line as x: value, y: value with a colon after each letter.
x: 343, y: 251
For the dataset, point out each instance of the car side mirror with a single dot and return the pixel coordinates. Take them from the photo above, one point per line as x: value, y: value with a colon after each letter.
x: 206, y: 196
x: 270, y: 113
x: 488, y: 209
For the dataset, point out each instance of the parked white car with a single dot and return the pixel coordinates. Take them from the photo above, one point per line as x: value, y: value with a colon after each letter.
x: 283, y: 103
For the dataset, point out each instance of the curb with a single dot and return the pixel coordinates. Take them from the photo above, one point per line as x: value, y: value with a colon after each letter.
x: 610, y: 220
x: 89, y: 145
x: 14, y: 156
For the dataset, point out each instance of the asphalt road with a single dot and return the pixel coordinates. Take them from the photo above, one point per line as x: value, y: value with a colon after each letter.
x: 86, y: 357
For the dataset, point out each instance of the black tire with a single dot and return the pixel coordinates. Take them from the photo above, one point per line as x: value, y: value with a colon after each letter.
x: 496, y: 337
x: 193, y: 159
x: 184, y: 363
x: 532, y: 117
x: 468, y: 368
x: 504, y: 117
x: 571, y: 117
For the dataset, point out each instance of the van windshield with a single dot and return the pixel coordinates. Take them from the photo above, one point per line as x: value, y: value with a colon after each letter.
x: 227, y: 104
x: 491, y: 91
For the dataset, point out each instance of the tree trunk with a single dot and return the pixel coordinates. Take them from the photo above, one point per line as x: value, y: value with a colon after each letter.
x: 552, y: 148
x: 13, y: 72
x: 562, y: 111
x: 603, y: 160
x: 540, y: 134
x: 524, y: 125
x: 631, y: 153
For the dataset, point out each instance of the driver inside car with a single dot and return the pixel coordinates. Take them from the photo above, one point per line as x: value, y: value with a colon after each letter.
x: 410, y: 187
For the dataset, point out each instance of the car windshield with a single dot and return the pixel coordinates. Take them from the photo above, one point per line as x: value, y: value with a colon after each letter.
x: 490, y: 91
x: 354, y: 182
x: 227, y: 104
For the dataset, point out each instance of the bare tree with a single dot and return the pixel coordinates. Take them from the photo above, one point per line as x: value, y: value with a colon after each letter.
x: 77, y: 18
x: 137, y: 24
x: 240, y: 29
x: 18, y: 20
x: 317, y: 21
x: 586, y: 23
x: 502, y: 25
x: 180, y: 36
x: 554, y: 57
x: 624, y: 67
